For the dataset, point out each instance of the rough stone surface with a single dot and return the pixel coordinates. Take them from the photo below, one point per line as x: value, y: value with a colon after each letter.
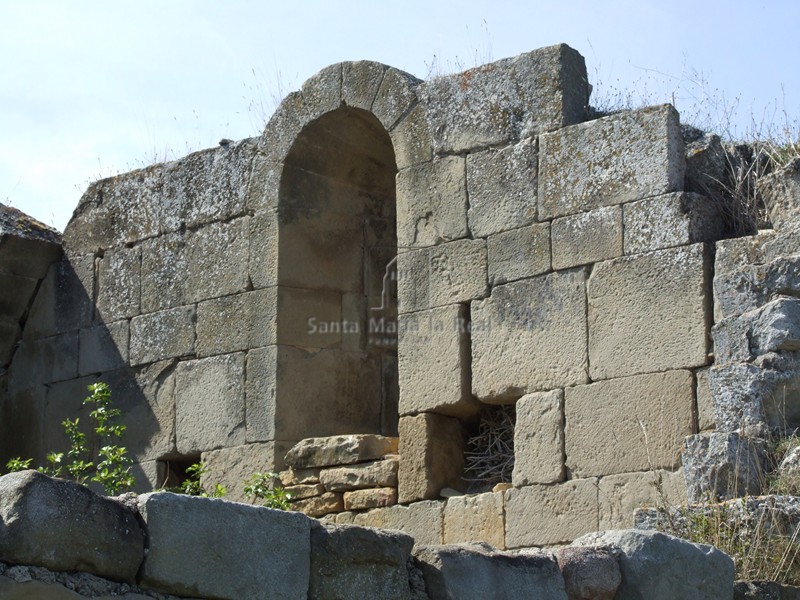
x: 539, y: 438
x: 209, y: 403
x: 641, y: 426
x: 540, y: 515
x: 119, y: 284
x: 587, y: 237
x: 781, y: 193
x: 432, y: 203
x: 64, y: 526
x: 723, y: 465
x: 502, y: 188
x: 370, y: 498
x: 355, y: 562
x: 677, y: 219
x: 433, y: 362
x: 27, y: 246
x: 620, y: 495
x: 475, y: 518
x: 424, y: 521
x: 237, y: 322
x: 666, y: 567
x: 231, y: 467
x: 431, y: 456
x: 518, y: 253
x: 445, y: 274
x: 624, y: 157
x: 261, y: 393
x: 179, y: 538
x: 589, y: 573
x: 103, y: 348
x: 165, y: 334
x: 476, y: 571
x: 507, y: 100
x: 44, y: 361
x: 705, y: 414
x: 546, y: 318
x: 750, y: 287
x: 382, y: 473
x: 318, y: 506
x: 304, y: 490
x: 339, y: 450
x: 649, y: 312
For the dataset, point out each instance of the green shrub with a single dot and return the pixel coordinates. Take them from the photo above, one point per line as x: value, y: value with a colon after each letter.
x: 264, y: 487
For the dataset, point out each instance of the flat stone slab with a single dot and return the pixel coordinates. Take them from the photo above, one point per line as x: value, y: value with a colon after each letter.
x: 64, y: 526
x: 340, y: 450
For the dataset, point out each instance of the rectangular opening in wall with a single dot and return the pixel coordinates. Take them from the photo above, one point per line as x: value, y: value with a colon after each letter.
x: 489, y: 458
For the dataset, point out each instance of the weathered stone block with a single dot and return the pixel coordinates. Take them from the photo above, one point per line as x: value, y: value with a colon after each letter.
x: 17, y: 294
x: 431, y: 456
x: 64, y: 300
x: 587, y: 237
x: 671, y: 220
x: 231, y: 467
x: 750, y: 287
x: 649, y: 312
x: 502, y: 188
x: 340, y: 450
x: 781, y: 193
x: 423, y: 521
x: 507, y: 100
x: 539, y: 515
x: 629, y: 424
x: 432, y: 203
x: 179, y: 537
x: 292, y: 476
x: 616, y: 159
x: 705, y: 411
x: 27, y: 247
x: 209, y: 403
x: 319, y: 506
x: 311, y: 318
x: 64, y: 400
x: 519, y: 253
x: 665, y: 567
x: 45, y: 360
x: 395, y: 97
x: 723, y: 465
x: 263, y: 249
x: 476, y: 572
x: 620, y: 495
x: 411, y: 138
x: 445, y: 274
x: 589, y: 572
x: 355, y: 562
x: 64, y: 526
x: 529, y: 336
x: 238, y: 322
x: 103, y: 348
x: 381, y: 473
x: 478, y: 518
x: 433, y: 355
x: 539, y: 439
x: 164, y: 334
x: 261, y: 393
x: 305, y: 490
x: 22, y: 416
x: 119, y: 283
x: 370, y: 498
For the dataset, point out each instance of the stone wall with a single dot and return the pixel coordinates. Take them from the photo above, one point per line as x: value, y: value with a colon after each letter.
x: 393, y: 256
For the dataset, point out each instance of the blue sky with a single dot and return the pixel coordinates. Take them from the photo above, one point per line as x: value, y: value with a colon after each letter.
x: 89, y: 88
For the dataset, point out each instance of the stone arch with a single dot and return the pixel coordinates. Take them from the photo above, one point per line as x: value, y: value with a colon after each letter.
x: 327, y: 166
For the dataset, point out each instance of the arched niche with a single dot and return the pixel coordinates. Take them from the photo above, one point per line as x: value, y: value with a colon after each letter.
x: 337, y: 298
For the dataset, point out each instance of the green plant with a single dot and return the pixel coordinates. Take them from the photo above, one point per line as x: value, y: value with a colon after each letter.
x: 264, y: 487
x: 112, y: 470
x: 192, y: 486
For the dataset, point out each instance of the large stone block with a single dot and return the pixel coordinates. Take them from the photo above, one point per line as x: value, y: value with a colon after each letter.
x: 587, y: 237
x: 263, y: 249
x: 629, y: 424
x: 360, y: 82
x: 185, y: 267
x: 530, y: 336
x: 17, y: 294
x: 312, y: 318
x: 539, y: 438
x: 502, y: 188
x: 340, y: 450
x: 507, y: 100
x: 620, y: 495
x: 475, y: 518
x: 411, y: 138
x: 431, y: 456
x: 355, y: 562
x: 649, y: 312
x: 27, y: 247
x: 445, y: 274
x: 519, y: 253
x: 433, y: 359
x: 64, y: 526
x: 261, y: 393
x: 103, y: 348
x: 477, y: 572
x: 624, y: 157
x: 165, y: 334
x: 539, y: 515
x: 10, y: 333
x: 209, y: 403
x: 751, y: 286
x: 242, y: 565
x: 64, y: 400
x: 231, y: 467
x: 424, y: 521
x: 432, y: 203
x: 40, y: 361
x: 394, y: 97
x: 589, y: 572
x: 237, y: 322
x: 664, y: 567
x: 119, y: 284
x: 670, y: 220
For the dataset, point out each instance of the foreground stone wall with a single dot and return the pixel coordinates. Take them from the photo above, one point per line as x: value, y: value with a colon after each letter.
x: 396, y: 257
